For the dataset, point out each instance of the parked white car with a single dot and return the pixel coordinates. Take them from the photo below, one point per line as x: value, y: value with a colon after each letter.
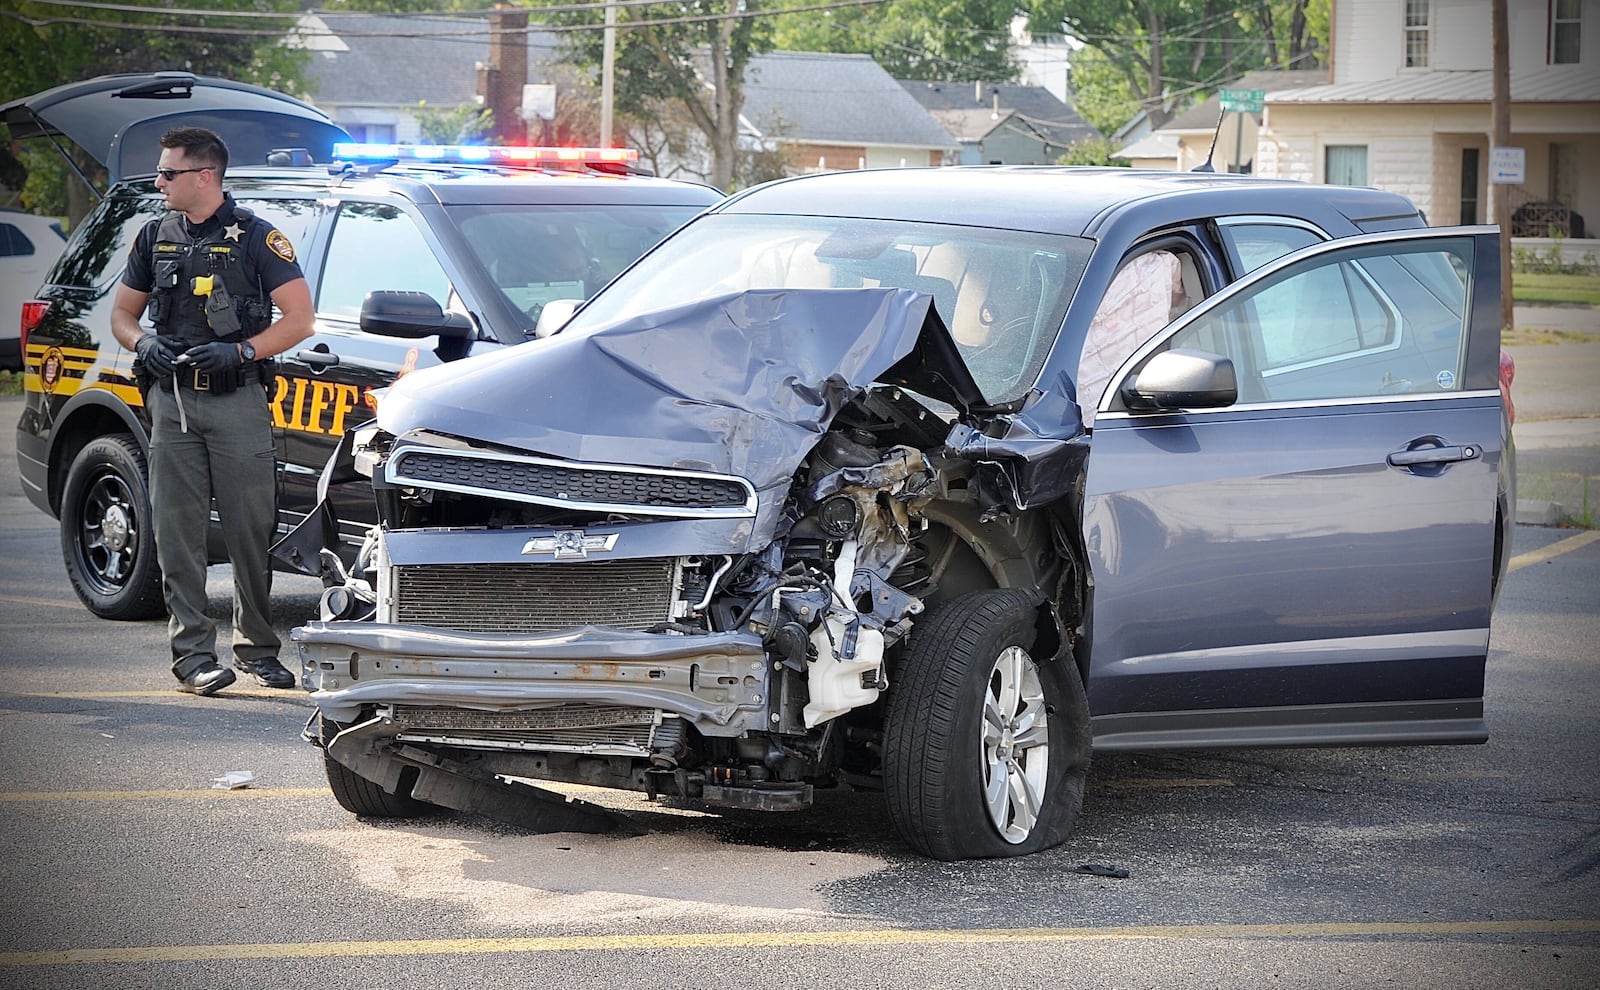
x: 29, y: 245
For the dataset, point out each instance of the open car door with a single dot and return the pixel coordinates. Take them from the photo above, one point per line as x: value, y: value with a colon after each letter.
x: 1291, y: 505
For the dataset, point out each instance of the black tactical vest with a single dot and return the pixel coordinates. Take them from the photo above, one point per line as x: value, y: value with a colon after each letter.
x: 178, y: 259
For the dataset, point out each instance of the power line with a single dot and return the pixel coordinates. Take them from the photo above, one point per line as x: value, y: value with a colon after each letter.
x: 466, y: 16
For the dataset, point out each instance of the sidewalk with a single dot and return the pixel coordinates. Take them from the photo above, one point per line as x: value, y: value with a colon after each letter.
x: 1557, y: 431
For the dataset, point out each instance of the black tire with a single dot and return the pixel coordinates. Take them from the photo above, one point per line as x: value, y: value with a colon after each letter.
x: 108, y: 537
x: 360, y: 796
x: 936, y: 758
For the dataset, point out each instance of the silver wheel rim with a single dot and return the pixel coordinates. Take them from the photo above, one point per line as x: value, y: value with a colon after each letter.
x: 1016, y: 745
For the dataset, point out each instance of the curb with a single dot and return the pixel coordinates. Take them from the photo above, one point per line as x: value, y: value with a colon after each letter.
x: 1534, y: 512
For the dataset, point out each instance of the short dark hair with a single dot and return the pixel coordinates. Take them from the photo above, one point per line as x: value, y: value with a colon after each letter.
x: 200, y: 145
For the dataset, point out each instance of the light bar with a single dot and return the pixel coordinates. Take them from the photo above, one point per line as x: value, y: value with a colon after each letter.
x: 483, y: 154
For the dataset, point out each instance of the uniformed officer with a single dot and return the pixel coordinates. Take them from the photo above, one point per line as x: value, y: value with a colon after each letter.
x: 211, y: 272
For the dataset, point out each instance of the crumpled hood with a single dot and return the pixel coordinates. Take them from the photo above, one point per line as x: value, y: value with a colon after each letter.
x: 742, y: 384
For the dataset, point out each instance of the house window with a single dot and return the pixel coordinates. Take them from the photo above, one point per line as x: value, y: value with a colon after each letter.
x: 1346, y: 165
x: 1469, y: 185
x: 1566, y: 18
x: 371, y: 133
x: 1417, y: 34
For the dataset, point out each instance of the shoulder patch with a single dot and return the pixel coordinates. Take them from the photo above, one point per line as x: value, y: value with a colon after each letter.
x: 279, y: 245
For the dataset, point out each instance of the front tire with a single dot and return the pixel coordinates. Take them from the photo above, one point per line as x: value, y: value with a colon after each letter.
x: 360, y: 796
x: 108, y: 531
x: 986, y: 749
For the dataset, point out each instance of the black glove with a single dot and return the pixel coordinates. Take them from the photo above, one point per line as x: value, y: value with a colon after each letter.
x: 219, y: 355
x: 157, y: 353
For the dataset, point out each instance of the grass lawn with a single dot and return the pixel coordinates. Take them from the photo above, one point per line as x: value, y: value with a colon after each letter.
x: 1533, y: 290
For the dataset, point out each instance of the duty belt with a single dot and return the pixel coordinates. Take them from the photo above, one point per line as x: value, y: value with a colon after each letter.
x: 212, y: 381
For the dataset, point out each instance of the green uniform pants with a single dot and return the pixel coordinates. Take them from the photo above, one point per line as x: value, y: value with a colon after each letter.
x: 218, y: 446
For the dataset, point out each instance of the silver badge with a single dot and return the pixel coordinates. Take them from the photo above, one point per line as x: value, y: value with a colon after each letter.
x: 570, y: 543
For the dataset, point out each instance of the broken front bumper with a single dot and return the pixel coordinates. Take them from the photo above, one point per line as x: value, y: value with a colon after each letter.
x: 719, y: 682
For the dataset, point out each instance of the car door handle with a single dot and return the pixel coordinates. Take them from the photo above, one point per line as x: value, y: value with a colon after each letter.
x: 1441, y: 454
x: 317, y: 359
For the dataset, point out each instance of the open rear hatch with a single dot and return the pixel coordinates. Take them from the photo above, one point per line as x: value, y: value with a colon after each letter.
x: 119, y: 119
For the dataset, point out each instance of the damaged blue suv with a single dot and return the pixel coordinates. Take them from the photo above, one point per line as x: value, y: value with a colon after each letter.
x: 936, y: 481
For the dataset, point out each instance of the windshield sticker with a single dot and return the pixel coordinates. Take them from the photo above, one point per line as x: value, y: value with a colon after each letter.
x: 1446, y: 379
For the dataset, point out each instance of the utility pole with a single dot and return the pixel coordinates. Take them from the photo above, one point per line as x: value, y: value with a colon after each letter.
x: 1500, y: 125
x: 608, y: 73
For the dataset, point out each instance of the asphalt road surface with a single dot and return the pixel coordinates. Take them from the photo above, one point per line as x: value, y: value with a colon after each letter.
x: 1423, y: 867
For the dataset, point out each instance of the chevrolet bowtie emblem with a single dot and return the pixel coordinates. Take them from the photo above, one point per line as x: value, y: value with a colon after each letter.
x: 570, y: 543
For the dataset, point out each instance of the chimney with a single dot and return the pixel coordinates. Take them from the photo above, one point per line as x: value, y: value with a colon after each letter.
x: 500, y: 80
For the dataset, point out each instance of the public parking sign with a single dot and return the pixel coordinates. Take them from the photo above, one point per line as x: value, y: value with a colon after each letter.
x: 1508, y: 166
x: 1243, y: 100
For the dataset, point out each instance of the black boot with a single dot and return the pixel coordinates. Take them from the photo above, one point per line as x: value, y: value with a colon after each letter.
x: 267, y: 671
x: 208, y: 678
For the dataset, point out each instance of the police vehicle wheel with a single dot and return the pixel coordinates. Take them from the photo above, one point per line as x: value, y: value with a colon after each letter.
x: 986, y: 747
x: 107, y: 531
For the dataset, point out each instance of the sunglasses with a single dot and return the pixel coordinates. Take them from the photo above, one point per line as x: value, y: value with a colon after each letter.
x: 172, y: 173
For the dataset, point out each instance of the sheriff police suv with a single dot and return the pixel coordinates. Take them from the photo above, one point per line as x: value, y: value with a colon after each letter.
x: 414, y: 255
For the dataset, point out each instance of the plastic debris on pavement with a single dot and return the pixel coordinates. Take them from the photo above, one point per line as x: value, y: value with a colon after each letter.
x: 233, y: 780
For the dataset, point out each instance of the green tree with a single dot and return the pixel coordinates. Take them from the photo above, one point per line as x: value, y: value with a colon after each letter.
x: 46, y: 45
x: 1092, y: 151
x: 1101, y: 92
x: 913, y: 39
x: 1167, y: 51
x: 457, y: 125
x: 691, y: 54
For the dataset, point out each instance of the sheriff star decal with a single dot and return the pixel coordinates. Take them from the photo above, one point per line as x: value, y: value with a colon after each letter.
x: 233, y: 232
x: 280, y: 246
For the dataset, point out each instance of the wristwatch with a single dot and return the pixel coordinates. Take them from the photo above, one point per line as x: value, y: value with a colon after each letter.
x: 247, y: 351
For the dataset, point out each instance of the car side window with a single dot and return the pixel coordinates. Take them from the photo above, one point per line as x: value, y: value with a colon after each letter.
x: 295, y: 218
x: 13, y: 242
x: 376, y: 246
x: 1148, y: 292
x: 1251, y: 245
x: 1387, y: 322
x: 103, y: 241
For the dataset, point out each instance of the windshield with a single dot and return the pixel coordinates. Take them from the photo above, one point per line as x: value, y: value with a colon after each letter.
x: 1002, y: 293
x: 538, y: 253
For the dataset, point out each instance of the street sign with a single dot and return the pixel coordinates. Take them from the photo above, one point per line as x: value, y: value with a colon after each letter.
x: 1243, y: 100
x: 1508, y: 166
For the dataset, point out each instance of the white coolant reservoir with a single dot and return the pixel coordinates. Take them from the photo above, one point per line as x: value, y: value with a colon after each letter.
x: 835, y: 682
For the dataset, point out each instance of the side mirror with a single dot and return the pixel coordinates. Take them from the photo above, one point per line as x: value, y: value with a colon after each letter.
x: 1182, y: 378
x: 414, y: 315
x: 555, y: 315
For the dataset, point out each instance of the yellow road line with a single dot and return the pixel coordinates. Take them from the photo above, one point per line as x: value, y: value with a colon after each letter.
x: 50, y: 602
x: 1554, y: 550
x: 12, y: 797
x: 762, y: 940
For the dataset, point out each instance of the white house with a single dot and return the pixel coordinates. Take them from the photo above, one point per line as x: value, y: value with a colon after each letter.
x: 1408, y: 109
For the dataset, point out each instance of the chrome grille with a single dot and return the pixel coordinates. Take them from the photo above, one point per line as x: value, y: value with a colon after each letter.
x: 528, y: 598
x: 554, y: 483
x: 611, y: 729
